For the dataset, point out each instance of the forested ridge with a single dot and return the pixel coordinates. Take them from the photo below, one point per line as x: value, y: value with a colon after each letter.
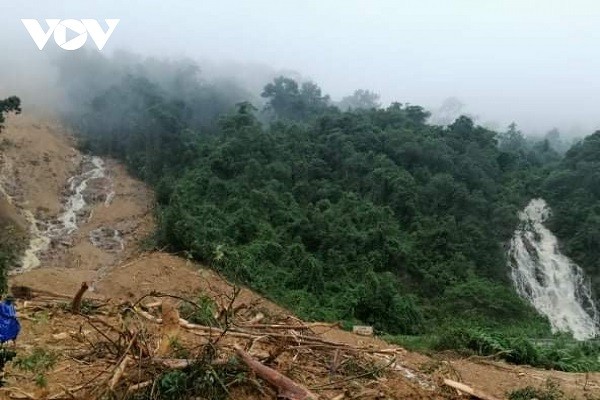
x: 573, y: 190
x: 351, y: 212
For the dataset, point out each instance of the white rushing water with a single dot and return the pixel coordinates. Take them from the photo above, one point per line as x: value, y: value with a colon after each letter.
x: 67, y: 222
x: 548, y: 279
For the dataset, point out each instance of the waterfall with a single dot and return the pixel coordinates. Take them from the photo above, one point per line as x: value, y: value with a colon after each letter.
x: 548, y: 279
x: 42, y: 233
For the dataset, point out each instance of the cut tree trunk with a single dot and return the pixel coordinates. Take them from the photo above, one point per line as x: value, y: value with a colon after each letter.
x: 286, y: 388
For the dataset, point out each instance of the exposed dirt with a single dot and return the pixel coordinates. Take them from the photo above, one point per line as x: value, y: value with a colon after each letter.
x: 10, y: 215
x: 37, y: 159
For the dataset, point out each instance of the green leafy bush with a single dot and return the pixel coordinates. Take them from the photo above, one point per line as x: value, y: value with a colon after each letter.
x: 200, y: 379
x: 560, y: 353
x: 38, y: 362
x: 201, y: 312
x: 8, y: 105
x: 6, y: 355
x: 549, y: 391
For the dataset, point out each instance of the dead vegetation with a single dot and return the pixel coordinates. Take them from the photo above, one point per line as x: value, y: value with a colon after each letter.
x: 221, y: 342
x: 145, y: 349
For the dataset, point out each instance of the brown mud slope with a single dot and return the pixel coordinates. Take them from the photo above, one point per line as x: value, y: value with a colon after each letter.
x: 38, y: 158
x: 9, y: 214
x: 128, y: 327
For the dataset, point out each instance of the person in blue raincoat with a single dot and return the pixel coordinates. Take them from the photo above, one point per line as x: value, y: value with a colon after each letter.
x: 9, y: 324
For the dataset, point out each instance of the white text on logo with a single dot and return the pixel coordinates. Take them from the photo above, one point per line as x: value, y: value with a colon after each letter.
x: 59, y: 28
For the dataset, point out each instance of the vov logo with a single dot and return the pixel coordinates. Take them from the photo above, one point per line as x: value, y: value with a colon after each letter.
x: 81, y: 28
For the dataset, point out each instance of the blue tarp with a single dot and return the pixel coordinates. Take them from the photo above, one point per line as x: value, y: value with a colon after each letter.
x: 9, y: 324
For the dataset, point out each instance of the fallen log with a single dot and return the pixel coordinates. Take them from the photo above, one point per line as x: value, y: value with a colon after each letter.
x: 289, y: 327
x: 286, y: 388
x: 469, y: 390
x: 29, y: 293
x: 202, y: 330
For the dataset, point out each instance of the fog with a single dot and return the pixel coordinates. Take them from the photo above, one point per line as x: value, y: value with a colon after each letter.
x: 532, y: 62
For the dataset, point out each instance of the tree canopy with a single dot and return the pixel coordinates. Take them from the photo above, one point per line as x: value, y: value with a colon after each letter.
x: 368, y: 214
x: 573, y: 191
x: 290, y: 100
x: 360, y: 99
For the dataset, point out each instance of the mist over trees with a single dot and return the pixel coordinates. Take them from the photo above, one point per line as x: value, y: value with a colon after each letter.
x: 288, y: 99
x: 447, y: 113
x: 351, y: 212
x: 147, y: 112
x: 360, y: 99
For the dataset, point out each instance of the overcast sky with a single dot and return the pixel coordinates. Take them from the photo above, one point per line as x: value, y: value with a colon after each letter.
x: 534, y: 62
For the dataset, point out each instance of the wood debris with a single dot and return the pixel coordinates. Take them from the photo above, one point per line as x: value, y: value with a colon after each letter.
x: 131, y: 348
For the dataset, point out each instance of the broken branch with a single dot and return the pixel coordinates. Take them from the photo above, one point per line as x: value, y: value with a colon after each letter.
x: 76, y: 305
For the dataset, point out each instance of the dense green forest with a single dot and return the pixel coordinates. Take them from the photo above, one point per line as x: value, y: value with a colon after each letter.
x: 351, y: 212
x: 573, y: 190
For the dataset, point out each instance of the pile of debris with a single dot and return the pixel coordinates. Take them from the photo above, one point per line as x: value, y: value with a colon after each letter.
x: 169, y: 347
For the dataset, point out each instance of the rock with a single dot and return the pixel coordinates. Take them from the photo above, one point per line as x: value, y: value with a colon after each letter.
x: 107, y: 239
x: 362, y: 330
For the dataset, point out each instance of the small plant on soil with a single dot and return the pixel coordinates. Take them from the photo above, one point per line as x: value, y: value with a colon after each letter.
x: 202, y: 312
x: 179, y: 349
x: 6, y: 355
x: 549, y: 391
x: 38, y: 362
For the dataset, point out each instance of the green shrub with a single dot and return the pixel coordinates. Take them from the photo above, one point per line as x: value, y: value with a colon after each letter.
x: 6, y: 355
x: 421, y: 343
x: 38, y: 362
x: 202, y: 312
x: 562, y: 353
x: 550, y: 391
x: 473, y: 340
x: 9, y: 105
x: 173, y: 385
x: 199, y: 380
